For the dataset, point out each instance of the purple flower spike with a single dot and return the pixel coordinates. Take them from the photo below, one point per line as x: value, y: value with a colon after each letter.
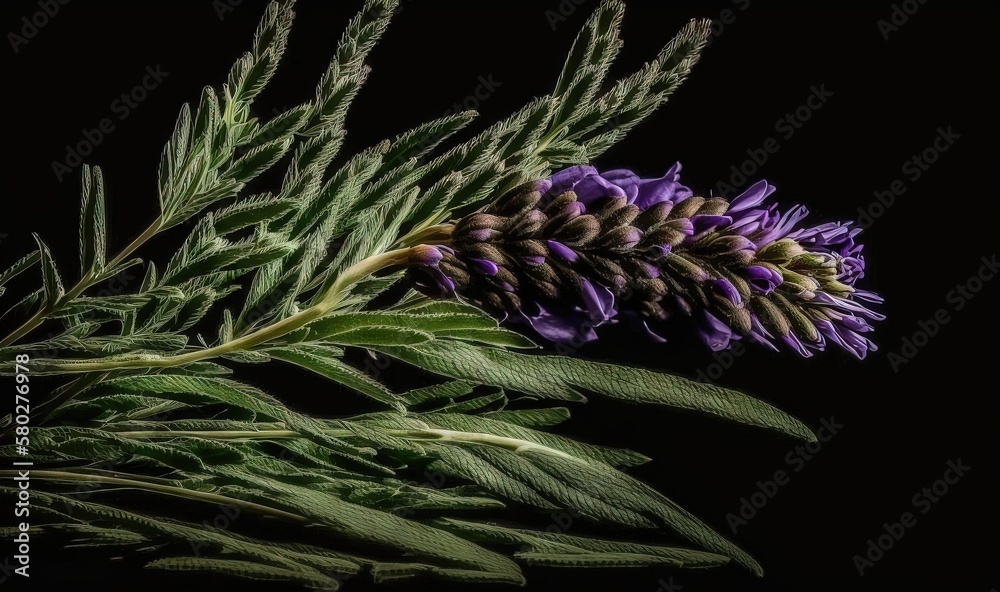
x: 585, y: 248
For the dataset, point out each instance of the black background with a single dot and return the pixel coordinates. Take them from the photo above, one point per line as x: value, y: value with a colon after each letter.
x: 890, y: 96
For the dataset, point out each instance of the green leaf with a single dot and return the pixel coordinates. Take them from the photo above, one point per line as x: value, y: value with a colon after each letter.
x: 235, y: 394
x: 489, y: 425
x: 23, y: 264
x: 560, y: 377
x: 421, y: 140
x: 282, y: 125
x: 562, y: 550
x: 258, y: 159
x: 596, y: 44
x: 448, y: 391
x: 376, y: 335
x: 333, y: 326
x: 52, y: 285
x: 246, y: 569
x: 93, y: 234
x: 495, y: 336
x: 532, y: 418
x: 253, y: 71
x: 251, y: 211
x: 325, y: 362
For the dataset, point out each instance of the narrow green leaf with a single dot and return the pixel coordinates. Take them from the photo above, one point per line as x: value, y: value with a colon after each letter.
x: 23, y: 264
x: 93, y: 234
x: 52, y: 285
x: 376, y: 335
x: 251, y: 211
x: 562, y: 378
x: 325, y: 362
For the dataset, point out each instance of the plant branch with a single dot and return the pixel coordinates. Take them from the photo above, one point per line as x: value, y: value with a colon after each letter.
x: 85, y: 282
x: 323, y: 307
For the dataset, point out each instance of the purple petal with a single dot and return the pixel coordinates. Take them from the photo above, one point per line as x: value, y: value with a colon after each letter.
x: 595, y: 187
x: 846, y: 305
x: 703, y: 222
x: 560, y: 328
x: 427, y: 255
x: 727, y: 289
x: 759, y: 334
x: 566, y: 179
x: 762, y: 278
x: 797, y: 345
x: 752, y: 197
x: 542, y: 186
x: 562, y: 251
x: 666, y: 188
x: 657, y: 251
x: 653, y: 335
x: 714, y: 332
x: 434, y: 282
x: 598, y: 300
x: 626, y: 179
x: 483, y: 266
x: 785, y: 224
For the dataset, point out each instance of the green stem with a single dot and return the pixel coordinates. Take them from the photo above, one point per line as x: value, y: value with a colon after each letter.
x: 437, y: 234
x: 326, y: 304
x: 85, y: 282
x: 172, y: 490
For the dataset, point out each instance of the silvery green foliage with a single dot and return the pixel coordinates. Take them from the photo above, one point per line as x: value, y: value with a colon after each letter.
x: 351, y: 494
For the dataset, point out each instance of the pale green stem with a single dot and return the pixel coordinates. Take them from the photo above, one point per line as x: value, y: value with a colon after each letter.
x: 326, y: 304
x: 437, y: 234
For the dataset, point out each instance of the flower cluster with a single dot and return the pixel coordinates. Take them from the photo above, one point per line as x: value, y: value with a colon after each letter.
x: 584, y: 248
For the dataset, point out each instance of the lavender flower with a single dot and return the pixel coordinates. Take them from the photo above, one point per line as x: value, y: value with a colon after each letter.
x: 582, y: 249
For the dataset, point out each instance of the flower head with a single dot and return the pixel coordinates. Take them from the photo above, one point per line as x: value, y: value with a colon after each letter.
x: 584, y: 248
